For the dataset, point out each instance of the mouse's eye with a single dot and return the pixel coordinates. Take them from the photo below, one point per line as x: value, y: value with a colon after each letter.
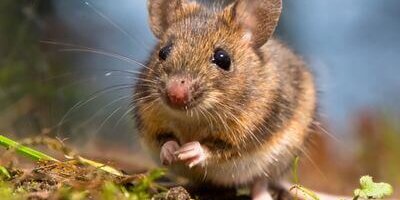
x: 165, y: 51
x: 222, y: 59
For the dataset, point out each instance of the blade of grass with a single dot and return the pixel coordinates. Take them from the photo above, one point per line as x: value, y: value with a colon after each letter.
x: 4, y: 172
x: 101, y: 166
x: 295, y: 170
x: 306, y: 191
x: 39, y: 156
x: 25, y: 151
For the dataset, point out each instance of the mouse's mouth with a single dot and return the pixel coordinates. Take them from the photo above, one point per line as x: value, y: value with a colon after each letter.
x: 192, y: 101
x: 181, y: 93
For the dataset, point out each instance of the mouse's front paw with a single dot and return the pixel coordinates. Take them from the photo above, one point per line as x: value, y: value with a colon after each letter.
x: 167, y: 155
x: 192, y: 154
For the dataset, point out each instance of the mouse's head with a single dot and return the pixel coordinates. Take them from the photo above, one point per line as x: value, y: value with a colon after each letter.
x: 209, y: 56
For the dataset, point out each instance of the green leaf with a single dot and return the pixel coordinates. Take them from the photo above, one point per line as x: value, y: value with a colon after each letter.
x: 25, y: 151
x: 4, y: 172
x: 370, y: 190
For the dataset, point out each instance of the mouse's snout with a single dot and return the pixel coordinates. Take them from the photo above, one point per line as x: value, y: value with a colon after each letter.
x: 178, y: 91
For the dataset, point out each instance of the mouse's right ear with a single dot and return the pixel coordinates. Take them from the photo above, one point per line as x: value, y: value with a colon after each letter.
x: 258, y: 18
x: 165, y: 12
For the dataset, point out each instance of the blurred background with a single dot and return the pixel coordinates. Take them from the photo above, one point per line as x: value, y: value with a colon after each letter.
x: 63, y: 73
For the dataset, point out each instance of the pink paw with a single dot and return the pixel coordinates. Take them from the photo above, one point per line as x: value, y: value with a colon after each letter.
x: 167, y: 155
x: 192, y: 154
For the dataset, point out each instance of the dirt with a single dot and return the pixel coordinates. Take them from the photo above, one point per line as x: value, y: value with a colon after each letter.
x: 49, y: 180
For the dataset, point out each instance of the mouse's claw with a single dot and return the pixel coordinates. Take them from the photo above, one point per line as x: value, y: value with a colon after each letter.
x: 192, y: 154
x: 167, y: 155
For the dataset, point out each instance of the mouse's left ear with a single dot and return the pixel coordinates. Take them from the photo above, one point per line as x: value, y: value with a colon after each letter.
x: 163, y: 13
x: 258, y: 18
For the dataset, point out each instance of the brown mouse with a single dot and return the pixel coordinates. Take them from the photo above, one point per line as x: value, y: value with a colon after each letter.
x: 221, y: 101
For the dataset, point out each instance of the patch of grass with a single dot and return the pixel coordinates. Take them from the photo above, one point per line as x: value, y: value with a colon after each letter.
x: 39, y: 156
x: 75, y: 179
x: 137, y: 192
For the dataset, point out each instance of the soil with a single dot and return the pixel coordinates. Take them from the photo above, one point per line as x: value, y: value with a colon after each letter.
x: 46, y: 180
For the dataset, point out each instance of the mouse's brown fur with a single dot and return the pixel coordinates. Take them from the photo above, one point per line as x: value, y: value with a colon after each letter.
x: 253, y: 119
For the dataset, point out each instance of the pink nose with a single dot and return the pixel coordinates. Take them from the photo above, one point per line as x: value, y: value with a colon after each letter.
x: 178, y: 91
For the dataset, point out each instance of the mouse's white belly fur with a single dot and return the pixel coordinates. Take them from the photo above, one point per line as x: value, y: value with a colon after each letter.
x: 242, y: 170
x: 266, y: 163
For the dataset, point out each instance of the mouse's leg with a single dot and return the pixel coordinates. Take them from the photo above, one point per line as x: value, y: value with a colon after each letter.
x: 192, y: 153
x: 167, y: 154
x: 281, y: 192
x: 259, y: 190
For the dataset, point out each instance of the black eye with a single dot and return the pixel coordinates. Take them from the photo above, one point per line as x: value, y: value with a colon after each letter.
x: 165, y: 51
x: 222, y: 59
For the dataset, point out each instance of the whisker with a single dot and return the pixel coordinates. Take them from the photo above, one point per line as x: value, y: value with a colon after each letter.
x: 201, y: 112
x: 108, y: 118
x: 209, y: 117
x: 122, y: 71
x: 64, y: 44
x: 77, y: 82
x: 150, y: 104
x: 129, y: 110
x: 102, y: 110
x: 314, y: 164
x: 115, y: 25
x: 81, y: 48
x: 109, y: 54
x: 89, y: 99
x: 144, y: 98
x: 104, y: 72
x: 318, y: 125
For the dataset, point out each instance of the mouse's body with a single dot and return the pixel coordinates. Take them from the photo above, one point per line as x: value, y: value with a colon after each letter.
x: 220, y: 101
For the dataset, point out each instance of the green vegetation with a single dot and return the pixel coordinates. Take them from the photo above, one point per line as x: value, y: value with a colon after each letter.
x: 74, y: 179
x: 111, y: 183
x: 39, y: 156
x: 4, y: 173
x: 370, y: 190
x: 7, y: 192
x: 26, y: 151
x: 378, y: 134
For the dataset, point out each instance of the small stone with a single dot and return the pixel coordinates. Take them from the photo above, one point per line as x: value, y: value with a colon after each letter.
x: 176, y: 193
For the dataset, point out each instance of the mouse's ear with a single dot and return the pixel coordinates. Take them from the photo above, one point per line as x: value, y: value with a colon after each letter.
x: 259, y: 18
x: 164, y: 12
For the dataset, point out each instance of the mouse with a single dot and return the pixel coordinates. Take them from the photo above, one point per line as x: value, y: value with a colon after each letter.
x: 221, y: 101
